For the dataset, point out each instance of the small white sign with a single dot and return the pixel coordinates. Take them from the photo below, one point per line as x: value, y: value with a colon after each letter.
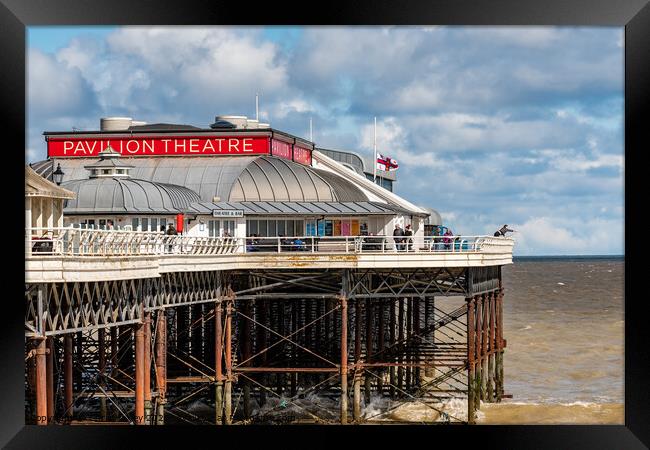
x: 227, y: 213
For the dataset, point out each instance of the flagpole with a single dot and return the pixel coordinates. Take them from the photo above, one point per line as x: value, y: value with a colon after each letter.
x: 311, y: 131
x: 374, y: 178
x: 257, y: 107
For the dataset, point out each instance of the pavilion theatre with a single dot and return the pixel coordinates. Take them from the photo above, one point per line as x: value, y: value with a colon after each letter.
x: 237, y: 177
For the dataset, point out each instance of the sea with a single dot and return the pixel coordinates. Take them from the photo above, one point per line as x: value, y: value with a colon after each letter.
x: 564, y: 324
x: 564, y: 360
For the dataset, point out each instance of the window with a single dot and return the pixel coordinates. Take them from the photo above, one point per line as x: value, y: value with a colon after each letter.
x: 310, y: 227
x: 135, y: 223
x: 262, y: 228
x: 229, y: 228
x: 299, y: 228
x: 154, y: 224
x: 291, y: 228
x: 251, y: 227
x: 213, y: 228
x: 106, y: 171
x: 163, y: 224
x: 282, y: 228
x: 145, y: 224
x: 119, y: 171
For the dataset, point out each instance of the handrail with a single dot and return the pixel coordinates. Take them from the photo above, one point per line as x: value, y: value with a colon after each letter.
x: 69, y: 241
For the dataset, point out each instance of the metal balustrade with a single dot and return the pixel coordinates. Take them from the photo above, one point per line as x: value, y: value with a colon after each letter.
x: 91, y: 242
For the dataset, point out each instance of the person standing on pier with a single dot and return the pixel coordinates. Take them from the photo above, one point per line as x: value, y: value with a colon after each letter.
x: 397, y: 236
x: 409, y: 240
x: 171, y: 231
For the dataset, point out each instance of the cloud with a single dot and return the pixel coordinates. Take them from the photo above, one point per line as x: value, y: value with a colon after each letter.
x: 56, y: 90
x: 582, y: 238
x: 489, y: 124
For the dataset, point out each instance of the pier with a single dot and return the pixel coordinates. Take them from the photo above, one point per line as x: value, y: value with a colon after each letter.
x: 132, y: 327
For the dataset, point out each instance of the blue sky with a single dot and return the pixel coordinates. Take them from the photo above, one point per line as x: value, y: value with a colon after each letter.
x: 490, y: 125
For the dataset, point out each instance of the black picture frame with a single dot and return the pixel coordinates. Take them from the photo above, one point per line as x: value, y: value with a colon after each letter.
x: 634, y: 15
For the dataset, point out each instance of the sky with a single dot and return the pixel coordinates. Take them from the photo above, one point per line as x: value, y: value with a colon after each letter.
x: 490, y: 125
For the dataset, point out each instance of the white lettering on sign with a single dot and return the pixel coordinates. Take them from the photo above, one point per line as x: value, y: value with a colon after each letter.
x: 227, y: 213
x: 132, y: 146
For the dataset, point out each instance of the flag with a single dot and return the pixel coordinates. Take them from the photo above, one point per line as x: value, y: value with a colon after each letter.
x: 386, y: 163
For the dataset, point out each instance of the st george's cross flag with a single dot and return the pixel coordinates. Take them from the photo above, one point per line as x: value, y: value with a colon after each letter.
x: 386, y: 163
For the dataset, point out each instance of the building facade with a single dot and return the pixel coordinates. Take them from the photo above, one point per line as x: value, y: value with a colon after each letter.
x: 236, y: 178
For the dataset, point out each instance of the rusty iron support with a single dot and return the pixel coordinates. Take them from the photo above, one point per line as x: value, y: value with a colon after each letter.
x: 500, y: 344
x: 67, y: 376
x: 400, y: 339
x: 417, y: 372
x: 471, y: 373
x: 356, y: 400
x: 80, y: 362
x: 428, y: 306
x: 344, y: 351
x: 147, y: 367
x: 101, y: 351
x: 262, y: 314
x: 484, y: 336
x: 41, y: 381
x: 479, y: 346
x: 391, y: 340
x: 491, y: 339
x: 310, y: 370
x: 380, y: 343
x: 218, y: 353
x: 161, y: 365
x: 409, y: 338
x: 114, y: 362
x: 280, y: 321
x: 344, y: 359
x: 245, y: 343
x: 50, y: 378
x: 139, y: 373
x: 228, y: 352
x: 294, y: 352
x: 369, y: 325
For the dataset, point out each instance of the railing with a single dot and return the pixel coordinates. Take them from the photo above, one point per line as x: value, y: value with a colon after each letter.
x: 85, y: 242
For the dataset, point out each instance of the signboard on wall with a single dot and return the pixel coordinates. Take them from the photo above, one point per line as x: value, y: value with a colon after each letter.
x: 158, y: 146
x: 227, y: 213
x: 281, y: 149
x: 302, y: 155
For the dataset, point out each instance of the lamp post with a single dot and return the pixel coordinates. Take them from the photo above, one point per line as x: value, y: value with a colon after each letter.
x: 57, y: 175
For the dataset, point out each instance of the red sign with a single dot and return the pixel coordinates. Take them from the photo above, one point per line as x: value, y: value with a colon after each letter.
x: 302, y: 155
x: 159, y: 146
x: 281, y: 149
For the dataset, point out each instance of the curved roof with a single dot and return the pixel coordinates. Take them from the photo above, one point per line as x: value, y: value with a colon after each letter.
x: 234, y: 178
x: 127, y: 195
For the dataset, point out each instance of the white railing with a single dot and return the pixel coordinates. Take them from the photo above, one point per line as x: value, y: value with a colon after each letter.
x: 88, y: 242
x: 85, y: 242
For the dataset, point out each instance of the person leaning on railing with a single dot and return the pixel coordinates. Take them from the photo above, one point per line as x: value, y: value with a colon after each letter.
x: 502, y: 231
x: 447, y: 240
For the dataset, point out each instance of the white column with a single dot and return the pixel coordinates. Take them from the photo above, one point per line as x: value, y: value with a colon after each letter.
x: 58, y: 212
x: 37, y: 213
x: 28, y: 212
x: 49, y: 212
